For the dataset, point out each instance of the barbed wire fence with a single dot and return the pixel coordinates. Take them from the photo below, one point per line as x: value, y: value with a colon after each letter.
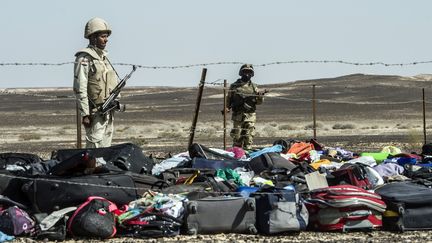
x: 220, y: 84
x: 374, y: 63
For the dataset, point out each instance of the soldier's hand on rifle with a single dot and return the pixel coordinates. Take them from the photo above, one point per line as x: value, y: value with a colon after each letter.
x: 262, y: 93
x: 226, y: 109
x: 86, y: 121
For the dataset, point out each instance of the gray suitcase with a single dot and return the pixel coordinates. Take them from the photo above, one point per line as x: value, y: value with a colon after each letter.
x: 213, y: 215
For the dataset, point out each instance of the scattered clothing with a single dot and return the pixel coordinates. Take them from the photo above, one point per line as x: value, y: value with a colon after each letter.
x: 170, y: 163
x: 275, y: 148
x: 4, y: 237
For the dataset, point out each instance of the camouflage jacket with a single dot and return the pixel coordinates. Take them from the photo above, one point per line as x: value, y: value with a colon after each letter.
x: 243, y: 97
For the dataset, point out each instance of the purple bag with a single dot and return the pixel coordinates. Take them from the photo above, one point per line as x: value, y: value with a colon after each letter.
x: 15, y: 221
x: 389, y: 169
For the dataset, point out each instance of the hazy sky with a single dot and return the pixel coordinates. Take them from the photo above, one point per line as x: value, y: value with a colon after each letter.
x: 182, y: 32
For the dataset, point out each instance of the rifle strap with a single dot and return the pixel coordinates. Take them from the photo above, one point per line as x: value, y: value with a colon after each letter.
x: 113, y: 68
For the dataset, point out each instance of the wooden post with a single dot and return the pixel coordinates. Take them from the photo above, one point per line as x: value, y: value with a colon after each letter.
x: 314, y: 111
x: 224, y: 113
x: 424, y: 117
x: 78, y: 123
x: 197, y: 107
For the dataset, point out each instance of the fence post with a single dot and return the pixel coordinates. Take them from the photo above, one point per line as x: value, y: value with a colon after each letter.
x: 224, y: 113
x: 313, y: 111
x: 424, y: 117
x: 78, y: 123
x: 197, y: 107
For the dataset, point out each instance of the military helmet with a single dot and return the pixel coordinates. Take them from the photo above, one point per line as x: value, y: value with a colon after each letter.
x: 246, y: 67
x: 95, y: 25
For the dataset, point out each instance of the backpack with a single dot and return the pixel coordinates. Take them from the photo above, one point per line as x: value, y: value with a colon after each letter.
x: 352, y: 174
x: 269, y: 161
x: 15, y: 221
x: 94, y: 218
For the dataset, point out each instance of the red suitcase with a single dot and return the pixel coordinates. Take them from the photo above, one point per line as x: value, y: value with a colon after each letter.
x: 344, y: 219
x: 344, y: 208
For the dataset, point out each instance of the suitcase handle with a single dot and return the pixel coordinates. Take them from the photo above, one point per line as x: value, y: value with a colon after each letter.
x: 365, y: 224
x: 357, y: 214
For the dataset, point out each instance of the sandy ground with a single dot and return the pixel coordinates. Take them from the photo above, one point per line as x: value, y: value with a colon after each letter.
x: 376, y: 236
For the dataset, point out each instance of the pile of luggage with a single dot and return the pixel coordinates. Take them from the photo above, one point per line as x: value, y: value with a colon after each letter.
x: 288, y: 187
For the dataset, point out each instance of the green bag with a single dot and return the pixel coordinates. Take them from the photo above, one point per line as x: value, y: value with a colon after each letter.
x: 378, y: 156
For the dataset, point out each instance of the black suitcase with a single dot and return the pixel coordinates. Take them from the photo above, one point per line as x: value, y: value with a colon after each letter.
x: 127, y: 156
x: 221, y: 215
x: 18, y: 159
x: 11, y: 183
x: 409, y: 206
x: 10, y: 186
x: 48, y: 194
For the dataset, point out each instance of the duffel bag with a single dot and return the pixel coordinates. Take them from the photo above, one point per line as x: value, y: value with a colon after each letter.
x: 48, y: 194
x: 127, y: 157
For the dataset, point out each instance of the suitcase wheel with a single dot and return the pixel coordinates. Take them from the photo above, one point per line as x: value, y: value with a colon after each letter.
x: 55, y: 186
x: 192, y: 231
x: 401, y: 228
x: 251, y: 205
x: 252, y: 229
x: 192, y: 208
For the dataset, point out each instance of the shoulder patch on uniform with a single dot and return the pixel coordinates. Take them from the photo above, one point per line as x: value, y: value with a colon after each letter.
x: 84, y: 62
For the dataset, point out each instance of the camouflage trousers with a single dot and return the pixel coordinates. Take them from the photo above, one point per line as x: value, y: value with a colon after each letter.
x: 100, y: 133
x: 243, y: 130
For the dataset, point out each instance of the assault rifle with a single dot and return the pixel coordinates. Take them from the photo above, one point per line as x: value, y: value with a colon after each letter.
x: 111, y: 103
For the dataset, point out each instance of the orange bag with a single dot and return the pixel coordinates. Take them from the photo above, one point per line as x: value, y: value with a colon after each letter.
x: 300, y: 148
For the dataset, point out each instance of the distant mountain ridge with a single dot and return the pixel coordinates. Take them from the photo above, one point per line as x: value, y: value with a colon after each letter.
x: 357, y: 79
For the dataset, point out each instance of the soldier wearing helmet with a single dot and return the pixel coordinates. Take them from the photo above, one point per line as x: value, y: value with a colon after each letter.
x: 94, y: 79
x: 243, y: 96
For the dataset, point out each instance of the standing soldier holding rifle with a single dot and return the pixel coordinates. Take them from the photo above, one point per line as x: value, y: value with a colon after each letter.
x: 242, y: 99
x: 95, y: 85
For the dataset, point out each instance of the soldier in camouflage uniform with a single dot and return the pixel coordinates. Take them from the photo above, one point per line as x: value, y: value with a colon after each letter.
x: 94, y: 79
x: 243, y: 96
